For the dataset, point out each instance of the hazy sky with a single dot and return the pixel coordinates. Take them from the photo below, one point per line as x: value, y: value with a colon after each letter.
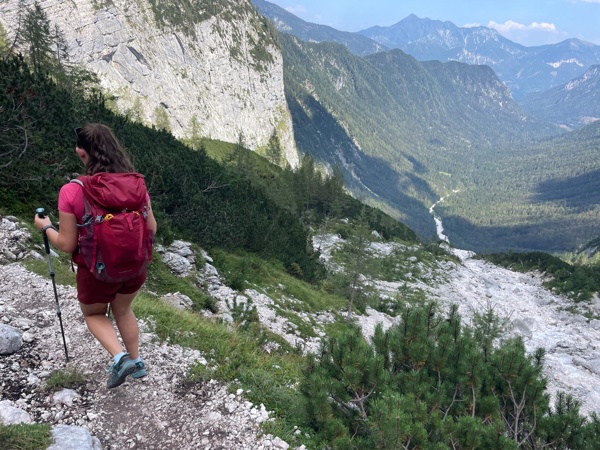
x: 528, y: 22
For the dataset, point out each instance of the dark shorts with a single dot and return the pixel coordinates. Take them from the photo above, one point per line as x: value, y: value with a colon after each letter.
x: 90, y: 290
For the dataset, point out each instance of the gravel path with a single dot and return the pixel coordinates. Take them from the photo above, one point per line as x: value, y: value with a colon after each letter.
x: 161, y: 411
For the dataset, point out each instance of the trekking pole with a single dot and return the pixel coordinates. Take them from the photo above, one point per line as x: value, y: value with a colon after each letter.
x: 40, y: 213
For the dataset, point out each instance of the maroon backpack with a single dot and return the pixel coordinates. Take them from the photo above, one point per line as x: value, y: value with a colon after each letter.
x: 115, y: 243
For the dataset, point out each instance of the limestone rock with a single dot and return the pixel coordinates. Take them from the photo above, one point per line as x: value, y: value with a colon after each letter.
x: 65, y: 397
x: 11, y: 415
x: 11, y: 340
x: 68, y: 437
x: 178, y: 300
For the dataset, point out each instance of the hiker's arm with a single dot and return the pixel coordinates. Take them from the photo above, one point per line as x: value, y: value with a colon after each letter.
x: 151, y: 219
x: 66, y: 239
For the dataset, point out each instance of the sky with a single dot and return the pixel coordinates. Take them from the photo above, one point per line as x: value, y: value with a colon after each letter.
x: 527, y: 22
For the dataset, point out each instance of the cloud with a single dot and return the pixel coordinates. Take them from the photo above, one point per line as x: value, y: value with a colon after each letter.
x: 591, y: 1
x: 511, y: 25
x: 297, y: 9
x: 536, y: 33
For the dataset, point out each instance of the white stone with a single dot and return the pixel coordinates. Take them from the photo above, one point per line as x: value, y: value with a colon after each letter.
x: 11, y: 415
x: 65, y: 397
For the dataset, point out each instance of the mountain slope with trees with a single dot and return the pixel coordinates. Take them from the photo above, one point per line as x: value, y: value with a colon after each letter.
x: 542, y: 195
x: 571, y: 105
x: 428, y: 380
x: 287, y: 22
x: 404, y: 132
x: 209, y: 65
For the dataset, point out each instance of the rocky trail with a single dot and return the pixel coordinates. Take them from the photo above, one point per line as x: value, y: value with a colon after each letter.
x: 161, y: 411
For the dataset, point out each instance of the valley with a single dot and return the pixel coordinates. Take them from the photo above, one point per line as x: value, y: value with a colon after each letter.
x: 407, y: 131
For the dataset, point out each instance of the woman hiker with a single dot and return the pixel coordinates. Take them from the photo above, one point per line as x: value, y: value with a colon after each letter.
x: 103, y: 156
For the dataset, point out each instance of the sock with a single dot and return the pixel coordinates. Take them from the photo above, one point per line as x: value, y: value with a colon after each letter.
x: 137, y: 360
x: 118, y: 356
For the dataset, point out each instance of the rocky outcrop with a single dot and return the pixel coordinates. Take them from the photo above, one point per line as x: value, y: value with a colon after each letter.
x: 568, y: 332
x: 221, y: 67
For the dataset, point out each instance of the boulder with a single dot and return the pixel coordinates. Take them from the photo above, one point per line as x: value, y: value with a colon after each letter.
x: 11, y: 415
x: 67, y: 437
x: 11, y: 340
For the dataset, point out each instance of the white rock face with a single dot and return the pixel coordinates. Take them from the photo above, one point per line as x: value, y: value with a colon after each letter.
x: 211, y: 69
x: 542, y: 318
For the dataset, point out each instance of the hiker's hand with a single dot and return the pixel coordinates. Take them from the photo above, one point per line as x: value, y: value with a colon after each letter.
x: 41, y: 223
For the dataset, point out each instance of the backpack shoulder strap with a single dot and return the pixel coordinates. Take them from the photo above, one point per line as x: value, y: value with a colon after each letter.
x: 87, y: 207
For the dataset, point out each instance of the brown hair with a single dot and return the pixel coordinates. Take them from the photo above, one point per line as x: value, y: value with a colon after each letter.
x: 106, y: 154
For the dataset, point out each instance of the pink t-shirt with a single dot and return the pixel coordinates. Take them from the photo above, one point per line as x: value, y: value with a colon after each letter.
x: 70, y: 200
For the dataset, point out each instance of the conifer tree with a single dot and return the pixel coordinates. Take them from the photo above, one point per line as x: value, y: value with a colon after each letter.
x: 334, y: 192
x: 193, y: 135
x: 136, y: 112
x: 36, y: 37
x: 357, y: 258
x: 425, y: 384
x: 162, y: 121
x: 4, y: 44
x: 274, y: 152
x: 241, y: 155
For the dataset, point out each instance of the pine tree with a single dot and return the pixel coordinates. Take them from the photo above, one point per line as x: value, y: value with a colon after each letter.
x: 342, y: 383
x: 4, y: 44
x: 241, y: 155
x: 136, y: 112
x: 37, y: 39
x: 161, y: 119
x: 357, y: 257
x: 193, y: 135
x: 274, y: 152
x: 334, y: 193
x: 425, y: 384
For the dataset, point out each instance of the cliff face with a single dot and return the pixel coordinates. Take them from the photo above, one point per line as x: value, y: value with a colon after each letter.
x: 217, y: 61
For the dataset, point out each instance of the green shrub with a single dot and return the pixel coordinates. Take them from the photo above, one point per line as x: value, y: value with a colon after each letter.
x: 65, y: 379
x: 430, y: 382
x: 25, y: 437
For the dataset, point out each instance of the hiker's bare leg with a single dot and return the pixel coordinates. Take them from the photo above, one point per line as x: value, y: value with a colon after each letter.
x: 101, y: 327
x: 126, y: 322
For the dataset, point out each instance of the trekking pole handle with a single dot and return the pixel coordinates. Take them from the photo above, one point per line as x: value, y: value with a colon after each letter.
x: 41, y: 214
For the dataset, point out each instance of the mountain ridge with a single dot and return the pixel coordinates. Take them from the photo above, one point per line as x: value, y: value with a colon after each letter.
x: 287, y: 22
x: 524, y: 69
x: 573, y: 104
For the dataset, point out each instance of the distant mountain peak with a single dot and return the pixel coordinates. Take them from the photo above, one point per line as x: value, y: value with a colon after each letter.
x: 591, y: 74
x: 287, y: 22
x: 524, y: 69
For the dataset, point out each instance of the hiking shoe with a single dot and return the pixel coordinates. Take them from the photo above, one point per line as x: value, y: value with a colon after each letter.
x: 140, y: 370
x: 119, y: 371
